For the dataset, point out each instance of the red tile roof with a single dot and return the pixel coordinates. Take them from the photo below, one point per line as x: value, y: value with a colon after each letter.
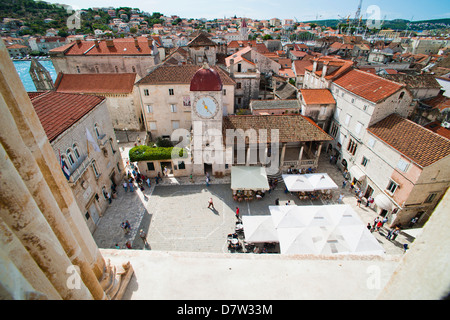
x: 59, y: 111
x: 421, y: 145
x: 100, y: 83
x: 317, y: 96
x: 292, y: 128
x: 368, y: 86
x: 436, y: 127
x: 167, y: 74
x: 124, y: 46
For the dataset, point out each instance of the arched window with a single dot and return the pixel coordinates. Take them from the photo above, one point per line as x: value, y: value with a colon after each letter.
x: 76, y: 152
x: 70, y: 157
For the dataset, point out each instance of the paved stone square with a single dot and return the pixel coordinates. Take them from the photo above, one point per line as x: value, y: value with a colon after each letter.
x: 175, y: 215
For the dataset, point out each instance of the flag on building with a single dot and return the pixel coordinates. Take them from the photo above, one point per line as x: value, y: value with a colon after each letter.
x: 64, y: 168
x: 91, y: 141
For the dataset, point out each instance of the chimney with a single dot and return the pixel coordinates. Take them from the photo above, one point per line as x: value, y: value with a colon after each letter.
x: 231, y: 66
x: 314, y: 69
x: 324, y: 70
x: 96, y: 42
x: 150, y: 42
x: 110, y: 43
x: 136, y: 44
x: 78, y: 41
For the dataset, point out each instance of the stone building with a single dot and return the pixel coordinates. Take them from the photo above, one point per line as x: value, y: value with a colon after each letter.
x: 79, y: 130
x: 128, y: 55
x: 318, y: 105
x: 121, y: 95
x: 202, y: 49
x: 166, y: 100
x: 46, y: 251
x: 323, y: 71
x: 406, y: 168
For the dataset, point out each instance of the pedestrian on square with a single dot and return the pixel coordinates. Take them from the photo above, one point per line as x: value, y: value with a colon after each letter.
x: 375, y: 222
x: 211, y: 204
x: 277, y: 201
x: 128, y: 244
x: 358, y: 202
x: 389, y: 235
x: 369, y: 201
x: 413, y: 222
x: 369, y: 227
x: 379, y: 225
x: 341, y: 196
x: 124, y: 227
x: 237, y: 213
x: 117, y: 246
x: 344, y: 183
x: 143, y: 236
x: 127, y: 225
x: 125, y: 186
x: 207, y: 181
x: 130, y: 185
x: 395, y: 233
x: 149, y: 183
x: 352, y: 185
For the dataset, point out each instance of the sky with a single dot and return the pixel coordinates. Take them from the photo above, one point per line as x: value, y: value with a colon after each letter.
x: 301, y: 10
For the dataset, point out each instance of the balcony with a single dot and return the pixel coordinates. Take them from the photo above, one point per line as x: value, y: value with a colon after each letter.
x: 78, y: 168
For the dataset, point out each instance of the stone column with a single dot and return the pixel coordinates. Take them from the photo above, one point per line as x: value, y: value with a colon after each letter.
x: 22, y: 215
x: 25, y: 147
x: 21, y: 276
x: 300, y: 155
x: 283, y: 151
x: 35, y: 139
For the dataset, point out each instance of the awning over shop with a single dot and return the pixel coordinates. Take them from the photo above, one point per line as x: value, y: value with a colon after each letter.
x: 249, y: 178
x: 357, y: 173
x: 382, y: 201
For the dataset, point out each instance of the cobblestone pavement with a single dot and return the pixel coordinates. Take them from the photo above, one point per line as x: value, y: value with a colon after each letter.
x: 175, y: 215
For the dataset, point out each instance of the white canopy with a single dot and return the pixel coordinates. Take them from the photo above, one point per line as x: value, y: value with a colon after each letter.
x: 259, y: 229
x: 308, y: 182
x: 249, y: 178
x: 357, y: 173
x: 329, y: 229
x: 382, y: 201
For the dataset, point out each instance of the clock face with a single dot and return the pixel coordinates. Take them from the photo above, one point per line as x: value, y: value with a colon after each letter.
x: 206, y: 107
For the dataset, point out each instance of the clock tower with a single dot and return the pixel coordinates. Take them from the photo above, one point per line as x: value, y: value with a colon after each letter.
x: 206, y: 115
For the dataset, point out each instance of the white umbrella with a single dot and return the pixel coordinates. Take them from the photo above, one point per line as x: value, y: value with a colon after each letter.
x: 259, y: 229
x: 249, y: 178
x: 297, y: 182
x: 322, y: 181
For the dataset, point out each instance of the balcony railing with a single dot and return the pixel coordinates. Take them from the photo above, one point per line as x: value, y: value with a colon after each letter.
x: 78, y: 168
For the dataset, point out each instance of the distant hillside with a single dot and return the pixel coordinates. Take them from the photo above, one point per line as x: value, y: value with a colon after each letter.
x: 33, y: 13
x: 397, y: 24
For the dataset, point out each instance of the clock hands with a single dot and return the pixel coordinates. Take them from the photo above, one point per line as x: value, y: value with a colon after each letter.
x: 206, y: 107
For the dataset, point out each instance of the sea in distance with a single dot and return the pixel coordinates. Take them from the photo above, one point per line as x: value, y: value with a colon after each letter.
x: 23, y: 69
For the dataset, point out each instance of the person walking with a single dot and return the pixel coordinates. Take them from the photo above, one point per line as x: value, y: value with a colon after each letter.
x: 149, y: 183
x: 211, y: 204
x: 143, y: 236
x: 127, y: 225
x: 277, y: 201
x: 358, y: 202
x: 125, y: 186
x: 395, y: 233
x: 237, y: 213
x: 341, y: 196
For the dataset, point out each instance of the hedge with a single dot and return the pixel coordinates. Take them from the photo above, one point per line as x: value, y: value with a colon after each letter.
x: 147, y: 153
